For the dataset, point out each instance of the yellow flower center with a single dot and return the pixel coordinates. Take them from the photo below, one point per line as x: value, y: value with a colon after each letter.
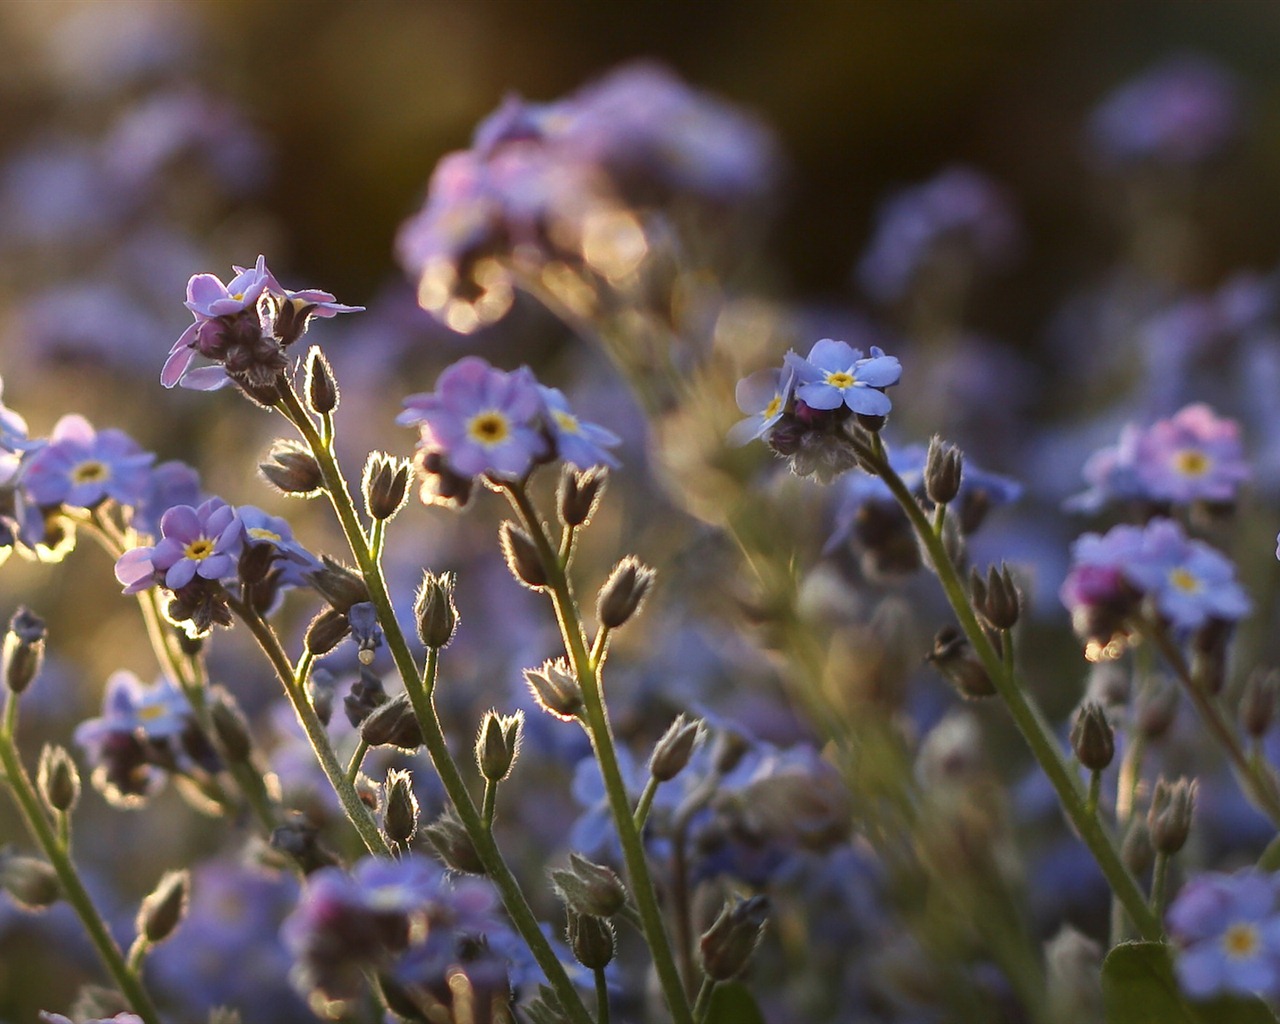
x: 199, y: 549
x: 150, y: 712
x: 1240, y: 940
x: 90, y: 471
x: 840, y: 379
x: 566, y: 421
x: 489, y: 428
x: 771, y: 410
x: 262, y: 533
x: 1184, y: 580
x: 1191, y: 462
x: 238, y: 296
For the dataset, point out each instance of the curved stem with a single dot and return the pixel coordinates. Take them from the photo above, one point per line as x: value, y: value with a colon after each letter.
x: 601, y: 733
x: 1026, y: 715
x: 73, y: 890
x: 419, y: 687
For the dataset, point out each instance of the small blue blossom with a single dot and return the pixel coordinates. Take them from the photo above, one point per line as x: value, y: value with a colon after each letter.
x: 1227, y: 929
x: 81, y: 467
x: 763, y: 396
x: 835, y: 374
x: 295, y: 562
x: 577, y: 442
x: 203, y: 542
x: 1190, y: 581
x: 170, y: 483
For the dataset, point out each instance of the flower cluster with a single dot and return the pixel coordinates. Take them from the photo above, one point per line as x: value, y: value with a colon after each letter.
x: 245, y: 328
x: 485, y: 422
x: 1189, y: 583
x: 563, y: 181
x: 803, y: 410
x: 1194, y: 456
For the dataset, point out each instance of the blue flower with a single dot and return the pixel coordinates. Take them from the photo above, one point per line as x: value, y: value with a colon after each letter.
x: 1227, y: 928
x: 835, y: 374
x: 763, y: 396
x: 203, y: 542
x: 81, y: 467
x: 1190, y: 581
x: 577, y: 442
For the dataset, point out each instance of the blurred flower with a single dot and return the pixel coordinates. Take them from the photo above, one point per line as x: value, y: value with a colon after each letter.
x: 1180, y: 113
x: 81, y: 467
x: 1227, y: 929
x: 960, y: 213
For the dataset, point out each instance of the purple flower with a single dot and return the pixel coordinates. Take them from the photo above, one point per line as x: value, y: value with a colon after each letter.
x: 170, y: 483
x: 295, y: 562
x: 203, y: 542
x: 13, y: 428
x: 1227, y: 929
x: 481, y: 419
x: 1096, y: 590
x: 1190, y: 581
x: 577, y: 442
x: 959, y: 207
x: 1181, y: 113
x: 1192, y: 456
x: 834, y: 374
x: 763, y: 396
x: 82, y: 468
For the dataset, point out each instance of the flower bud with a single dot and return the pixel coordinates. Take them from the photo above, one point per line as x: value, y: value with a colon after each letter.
x: 1136, y: 851
x: 556, y: 689
x: 292, y: 469
x: 385, y: 485
x: 322, y: 389
x: 57, y: 778
x: 298, y: 839
x: 23, y: 649
x: 672, y: 752
x: 436, y: 616
x: 588, y: 888
x: 996, y: 598
x: 943, y: 467
x: 1169, y: 817
x: 400, y: 817
x: 592, y: 940
x: 340, y: 586
x: 579, y: 494
x: 367, y: 694
x: 623, y: 592
x: 30, y: 883
x: 1258, y: 702
x: 1157, y: 707
x: 451, y: 841
x: 728, y: 944
x: 229, y: 726
x: 164, y: 909
x: 1092, y: 737
x: 326, y: 631
x: 497, y: 744
x: 1209, y: 655
x: 522, y: 556
x: 952, y: 657
x: 393, y: 724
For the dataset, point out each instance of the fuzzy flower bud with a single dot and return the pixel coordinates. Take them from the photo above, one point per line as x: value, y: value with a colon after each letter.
x: 385, y: 485
x: 952, y: 657
x: 522, y: 556
x: 293, y: 470
x: 589, y: 888
x: 727, y: 945
x: 579, y: 493
x: 556, y: 689
x: 30, y: 883
x: 392, y: 724
x: 1258, y: 702
x: 229, y: 726
x: 1136, y: 851
x: 672, y: 752
x: 1169, y: 817
x: 434, y: 611
x: 57, y: 778
x: 400, y: 817
x: 164, y: 909
x: 943, y: 467
x: 340, y: 586
x: 23, y: 650
x: 623, y: 592
x: 451, y: 841
x: 996, y: 598
x: 592, y: 940
x: 497, y: 744
x: 1092, y: 737
x: 322, y: 389
x: 326, y: 631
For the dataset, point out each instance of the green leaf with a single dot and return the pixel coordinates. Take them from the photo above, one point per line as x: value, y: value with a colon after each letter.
x: 731, y: 1003
x: 1138, y: 987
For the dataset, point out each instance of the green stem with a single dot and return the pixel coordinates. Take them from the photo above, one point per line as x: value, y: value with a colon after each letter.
x: 357, y: 759
x: 1095, y: 791
x: 602, y: 997
x: 646, y: 803
x: 356, y: 811
x: 1026, y: 715
x: 1270, y: 859
x: 1159, y: 883
x: 703, y: 1006
x: 419, y: 688
x: 597, y: 722
x: 73, y: 890
x: 490, y: 803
